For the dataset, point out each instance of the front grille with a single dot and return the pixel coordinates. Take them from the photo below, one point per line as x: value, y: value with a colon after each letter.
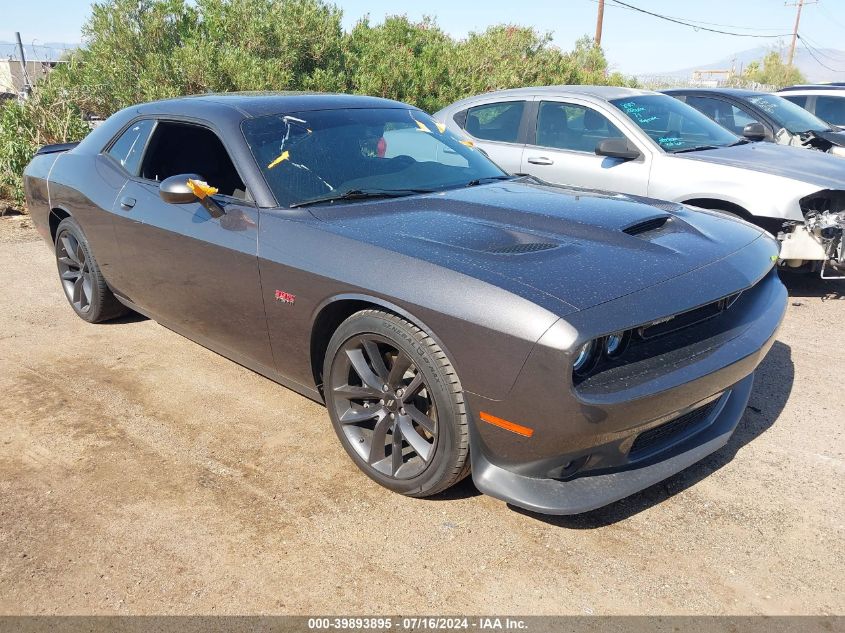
x: 686, y: 319
x: 516, y: 249
x: 666, y: 433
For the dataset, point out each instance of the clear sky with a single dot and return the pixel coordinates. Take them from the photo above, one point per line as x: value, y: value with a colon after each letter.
x: 634, y: 43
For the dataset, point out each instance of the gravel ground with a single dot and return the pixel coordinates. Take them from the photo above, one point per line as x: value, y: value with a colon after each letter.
x: 141, y: 473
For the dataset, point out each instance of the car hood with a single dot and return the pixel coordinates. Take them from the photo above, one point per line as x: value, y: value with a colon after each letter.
x: 836, y: 137
x: 579, y: 247
x: 816, y: 168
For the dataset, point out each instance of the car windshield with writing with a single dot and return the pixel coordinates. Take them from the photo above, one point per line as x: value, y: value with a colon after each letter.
x: 788, y: 115
x: 675, y: 126
x: 345, y: 155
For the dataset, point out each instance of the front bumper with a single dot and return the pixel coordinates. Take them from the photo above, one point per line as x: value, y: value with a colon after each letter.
x: 583, y: 452
x: 582, y: 494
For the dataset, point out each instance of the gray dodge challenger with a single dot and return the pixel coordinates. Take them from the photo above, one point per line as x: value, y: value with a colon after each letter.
x: 568, y: 347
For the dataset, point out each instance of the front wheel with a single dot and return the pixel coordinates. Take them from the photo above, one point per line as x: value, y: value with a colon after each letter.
x: 85, y: 288
x: 396, y: 404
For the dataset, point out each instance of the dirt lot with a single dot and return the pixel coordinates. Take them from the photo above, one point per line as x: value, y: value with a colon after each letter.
x: 141, y: 473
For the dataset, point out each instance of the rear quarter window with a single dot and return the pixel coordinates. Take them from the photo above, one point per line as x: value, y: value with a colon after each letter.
x: 129, y: 146
x: 495, y: 121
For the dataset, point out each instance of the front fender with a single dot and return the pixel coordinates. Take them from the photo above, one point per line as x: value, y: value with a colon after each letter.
x: 762, y: 195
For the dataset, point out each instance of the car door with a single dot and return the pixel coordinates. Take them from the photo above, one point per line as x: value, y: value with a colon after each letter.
x: 562, y: 149
x: 194, y: 267
x: 112, y: 168
x: 498, y: 128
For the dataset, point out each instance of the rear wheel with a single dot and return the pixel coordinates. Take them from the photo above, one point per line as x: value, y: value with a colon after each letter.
x: 396, y: 404
x: 84, y: 286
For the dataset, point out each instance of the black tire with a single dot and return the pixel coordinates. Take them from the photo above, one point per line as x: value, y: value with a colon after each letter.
x: 379, y: 365
x: 80, y: 276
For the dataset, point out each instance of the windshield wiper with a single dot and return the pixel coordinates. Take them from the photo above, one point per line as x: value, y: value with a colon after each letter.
x: 479, y: 181
x: 697, y: 148
x: 361, y: 194
x: 742, y: 141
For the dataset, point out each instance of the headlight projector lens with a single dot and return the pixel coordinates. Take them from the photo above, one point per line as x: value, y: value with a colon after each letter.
x: 584, y: 358
x: 615, y: 344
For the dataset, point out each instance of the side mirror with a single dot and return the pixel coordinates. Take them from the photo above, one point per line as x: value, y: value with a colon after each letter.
x: 618, y: 148
x: 175, y: 190
x: 754, y: 131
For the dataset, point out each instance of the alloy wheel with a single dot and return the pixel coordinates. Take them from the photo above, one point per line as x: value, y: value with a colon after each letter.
x: 74, y: 271
x: 384, y: 406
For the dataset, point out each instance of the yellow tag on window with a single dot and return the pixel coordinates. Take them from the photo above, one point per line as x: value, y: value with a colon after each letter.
x: 281, y: 157
x: 201, y: 188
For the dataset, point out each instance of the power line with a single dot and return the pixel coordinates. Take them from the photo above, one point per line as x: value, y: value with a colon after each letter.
x: 697, y: 27
x: 695, y: 23
x: 830, y: 17
x: 818, y: 48
x: 810, y: 50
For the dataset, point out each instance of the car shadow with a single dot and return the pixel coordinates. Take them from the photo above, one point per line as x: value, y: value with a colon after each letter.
x: 805, y: 285
x: 464, y: 489
x: 772, y: 386
x: 126, y: 319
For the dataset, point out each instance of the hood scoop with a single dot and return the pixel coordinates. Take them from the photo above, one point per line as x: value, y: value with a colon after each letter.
x: 519, y: 249
x: 647, y: 226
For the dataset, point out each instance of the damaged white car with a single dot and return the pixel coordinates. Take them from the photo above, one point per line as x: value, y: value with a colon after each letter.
x: 644, y: 143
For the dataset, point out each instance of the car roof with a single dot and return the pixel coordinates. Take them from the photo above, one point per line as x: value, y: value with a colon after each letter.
x: 602, y: 93
x: 839, y: 86
x: 731, y: 92
x: 255, y: 104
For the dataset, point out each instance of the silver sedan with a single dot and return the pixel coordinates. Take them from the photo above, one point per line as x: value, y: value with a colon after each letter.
x: 644, y: 143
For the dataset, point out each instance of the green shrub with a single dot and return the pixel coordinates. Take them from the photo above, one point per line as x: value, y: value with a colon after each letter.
x: 48, y: 117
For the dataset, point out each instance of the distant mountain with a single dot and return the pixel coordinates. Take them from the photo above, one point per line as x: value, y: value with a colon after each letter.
x: 811, y: 68
x: 47, y: 52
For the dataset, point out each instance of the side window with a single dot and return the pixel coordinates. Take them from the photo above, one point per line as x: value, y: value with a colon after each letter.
x: 573, y: 127
x: 495, y: 121
x: 800, y: 100
x: 831, y: 109
x: 741, y: 118
x: 129, y: 146
x: 725, y: 114
x: 182, y: 148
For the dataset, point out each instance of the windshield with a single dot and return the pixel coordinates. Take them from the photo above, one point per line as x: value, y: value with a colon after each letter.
x: 787, y: 114
x: 674, y: 125
x: 327, y: 154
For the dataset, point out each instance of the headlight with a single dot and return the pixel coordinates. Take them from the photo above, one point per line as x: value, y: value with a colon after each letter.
x: 588, y: 357
x: 615, y: 344
x: 584, y: 357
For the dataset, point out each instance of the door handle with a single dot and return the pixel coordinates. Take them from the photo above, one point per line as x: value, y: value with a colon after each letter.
x: 541, y: 160
x: 127, y: 203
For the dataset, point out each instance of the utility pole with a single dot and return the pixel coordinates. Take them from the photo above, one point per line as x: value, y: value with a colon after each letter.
x: 599, y: 22
x: 24, y: 74
x: 800, y: 4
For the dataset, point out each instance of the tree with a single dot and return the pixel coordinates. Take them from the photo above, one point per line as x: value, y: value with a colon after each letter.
x: 402, y: 60
x: 771, y: 71
x: 47, y: 117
